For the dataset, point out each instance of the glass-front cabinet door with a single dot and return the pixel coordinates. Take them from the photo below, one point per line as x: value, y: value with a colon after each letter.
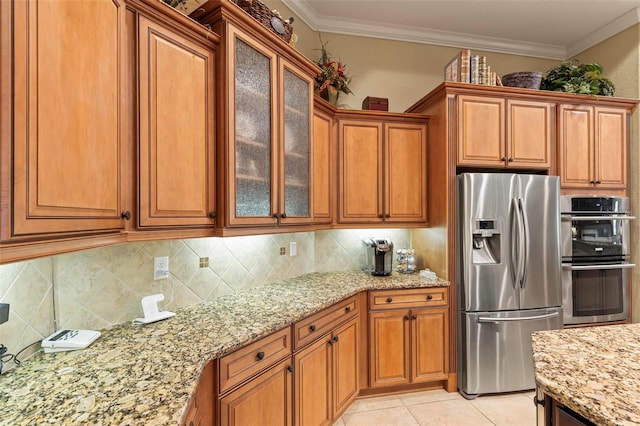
x: 270, y: 106
x: 252, y: 169
x: 297, y: 95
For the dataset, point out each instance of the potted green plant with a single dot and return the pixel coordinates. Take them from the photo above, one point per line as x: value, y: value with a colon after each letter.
x: 575, y: 77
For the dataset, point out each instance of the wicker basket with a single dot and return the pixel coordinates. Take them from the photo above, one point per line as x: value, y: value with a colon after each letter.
x: 524, y: 79
x: 266, y: 17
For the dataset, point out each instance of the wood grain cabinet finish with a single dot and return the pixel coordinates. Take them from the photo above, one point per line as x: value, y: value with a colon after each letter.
x: 266, y: 399
x: 382, y: 171
x: 327, y: 375
x: 593, y: 147
x: 177, y: 139
x: 323, y: 160
x: 200, y: 411
x: 502, y: 132
x: 67, y: 114
x: 407, y: 345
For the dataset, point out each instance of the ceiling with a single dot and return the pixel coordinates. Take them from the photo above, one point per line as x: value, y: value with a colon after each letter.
x: 554, y: 29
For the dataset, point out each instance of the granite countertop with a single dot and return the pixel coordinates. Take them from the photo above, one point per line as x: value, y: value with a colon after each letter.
x: 594, y: 371
x: 146, y: 374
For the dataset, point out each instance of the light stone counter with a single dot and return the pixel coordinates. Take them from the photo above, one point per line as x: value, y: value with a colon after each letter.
x: 144, y: 375
x: 594, y: 371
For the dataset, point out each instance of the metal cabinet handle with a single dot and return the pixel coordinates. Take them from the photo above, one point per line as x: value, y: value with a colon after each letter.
x: 126, y: 215
x: 389, y: 299
x: 429, y: 296
x: 312, y: 327
x: 414, y: 316
x: 275, y: 215
x: 335, y: 338
x: 406, y: 317
x: 380, y: 216
x: 283, y: 215
x: 260, y: 356
x: 213, y: 215
x: 290, y: 368
x: 510, y: 160
x: 503, y: 159
x: 347, y: 309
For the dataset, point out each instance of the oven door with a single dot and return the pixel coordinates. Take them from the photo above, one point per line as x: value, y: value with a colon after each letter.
x: 595, y: 293
x: 592, y: 238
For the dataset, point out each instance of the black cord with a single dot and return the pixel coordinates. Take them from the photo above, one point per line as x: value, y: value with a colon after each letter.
x: 5, y: 357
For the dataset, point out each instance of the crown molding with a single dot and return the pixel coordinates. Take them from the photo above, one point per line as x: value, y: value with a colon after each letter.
x: 627, y: 20
x: 458, y: 40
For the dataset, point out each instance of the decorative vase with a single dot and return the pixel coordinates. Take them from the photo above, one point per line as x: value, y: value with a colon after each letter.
x: 330, y: 94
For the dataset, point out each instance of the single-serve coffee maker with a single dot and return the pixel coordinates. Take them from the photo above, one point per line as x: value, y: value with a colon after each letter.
x: 378, y: 256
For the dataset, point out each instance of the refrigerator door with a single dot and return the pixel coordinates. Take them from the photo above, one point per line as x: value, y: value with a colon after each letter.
x: 541, y: 273
x: 496, y: 354
x: 486, y: 266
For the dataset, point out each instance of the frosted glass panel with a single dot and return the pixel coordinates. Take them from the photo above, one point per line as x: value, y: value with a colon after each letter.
x: 253, y: 131
x: 296, y: 145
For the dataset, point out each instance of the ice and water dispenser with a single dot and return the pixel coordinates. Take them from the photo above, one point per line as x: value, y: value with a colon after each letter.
x: 486, y: 241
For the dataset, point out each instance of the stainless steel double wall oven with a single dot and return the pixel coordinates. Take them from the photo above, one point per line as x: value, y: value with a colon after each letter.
x: 595, y: 258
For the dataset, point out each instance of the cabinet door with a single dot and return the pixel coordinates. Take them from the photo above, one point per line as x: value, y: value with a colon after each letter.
x: 405, y: 172
x: 360, y: 174
x: 295, y: 156
x: 610, y: 148
x: 263, y: 400
x: 430, y: 344
x: 251, y: 131
x: 200, y: 408
x: 312, y: 383
x: 67, y: 115
x: 481, y: 131
x: 323, y: 174
x: 576, y: 140
x: 177, y: 183
x: 389, y: 353
x: 529, y: 130
x: 345, y: 365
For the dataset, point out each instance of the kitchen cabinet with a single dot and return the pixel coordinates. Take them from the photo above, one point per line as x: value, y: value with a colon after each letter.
x: 323, y: 160
x: 254, y: 383
x: 200, y: 411
x: 266, y: 123
x: 326, y: 371
x: 382, y: 169
x: 556, y: 414
x: 593, y: 147
x: 409, y: 336
x: 177, y: 127
x: 504, y: 133
x: 63, y: 96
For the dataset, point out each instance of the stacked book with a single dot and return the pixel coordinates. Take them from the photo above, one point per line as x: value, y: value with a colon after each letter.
x: 468, y: 68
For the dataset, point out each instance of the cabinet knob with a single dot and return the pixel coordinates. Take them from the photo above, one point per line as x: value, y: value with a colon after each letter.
x: 312, y: 327
x: 380, y: 216
x: 593, y: 182
x: 406, y: 317
x: 126, y: 215
x: 414, y: 316
x: 283, y: 215
x: 260, y: 356
x: 290, y: 368
x: 429, y: 296
x: 387, y: 215
x: 213, y: 215
x: 347, y: 309
x: 275, y: 215
x: 537, y: 401
x: 191, y: 423
x: 598, y: 182
x: 510, y: 160
x: 335, y: 338
x: 503, y: 159
x: 389, y: 299
x: 330, y: 341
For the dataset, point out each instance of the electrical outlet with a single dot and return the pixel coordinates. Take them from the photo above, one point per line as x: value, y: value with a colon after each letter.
x: 293, y: 251
x: 160, y: 267
x: 4, y: 312
x: 283, y: 251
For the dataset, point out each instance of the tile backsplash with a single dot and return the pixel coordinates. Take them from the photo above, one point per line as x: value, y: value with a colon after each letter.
x: 97, y: 288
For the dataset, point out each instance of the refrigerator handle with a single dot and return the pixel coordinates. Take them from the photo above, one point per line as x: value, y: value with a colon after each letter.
x: 511, y: 319
x: 515, y: 242
x: 525, y: 243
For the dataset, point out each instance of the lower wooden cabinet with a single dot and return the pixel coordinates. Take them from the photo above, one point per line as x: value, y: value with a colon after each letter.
x: 556, y: 414
x: 200, y: 411
x: 408, y: 345
x: 265, y: 399
x: 326, y: 376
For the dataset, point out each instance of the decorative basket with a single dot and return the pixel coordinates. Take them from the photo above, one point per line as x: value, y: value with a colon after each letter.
x: 524, y: 79
x: 266, y: 17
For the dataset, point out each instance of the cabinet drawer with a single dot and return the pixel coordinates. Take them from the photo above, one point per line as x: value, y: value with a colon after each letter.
x: 308, y: 329
x: 408, y: 298
x: 251, y: 359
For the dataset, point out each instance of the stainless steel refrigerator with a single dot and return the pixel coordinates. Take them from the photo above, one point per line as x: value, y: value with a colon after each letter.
x: 509, y: 277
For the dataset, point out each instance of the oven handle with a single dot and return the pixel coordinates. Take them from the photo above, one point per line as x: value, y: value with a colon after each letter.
x: 567, y: 218
x: 508, y: 319
x: 600, y: 266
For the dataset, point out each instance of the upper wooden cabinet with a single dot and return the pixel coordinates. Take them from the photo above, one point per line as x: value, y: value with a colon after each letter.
x: 593, y: 147
x: 62, y: 118
x: 382, y: 168
x: 177, y: 126
x: 323, y: 160
x: 502, y: 132
x: 265, y: 123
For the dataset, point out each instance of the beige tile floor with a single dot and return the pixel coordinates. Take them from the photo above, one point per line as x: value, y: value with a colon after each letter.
x: 438, y: 407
